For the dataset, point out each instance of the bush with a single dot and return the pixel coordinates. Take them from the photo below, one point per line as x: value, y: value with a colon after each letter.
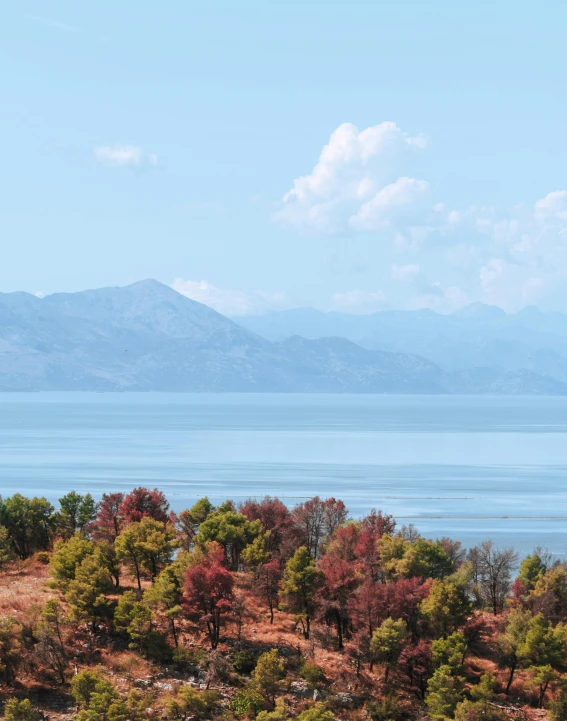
x: 16, y: 710
x: 388, y: 708
x: 187, y: 659
x: 312, y: 673
x: 318, y: 712
x: 478, y: 711
x: 244, y: 661
x: 43, y: 557
x: 248, y: 702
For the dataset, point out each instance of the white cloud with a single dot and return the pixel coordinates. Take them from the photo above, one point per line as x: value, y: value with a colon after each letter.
x: 125, y: 156
x: 405, y: 272
x: 392, y: 203
x: 39, y: 294
x: 349, y: 183
x: 230, y: 302
x: 359, y: 301
x: 553, y: 207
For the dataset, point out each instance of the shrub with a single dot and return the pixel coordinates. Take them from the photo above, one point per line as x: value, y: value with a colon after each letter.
x: 23, y: 710
x: 388, y: 708
x: 187, y: 659
x: 248, y: 702
x: 318, y: 712
x: 312, y: 673
x: 244, y: 661
x: 43, y: 557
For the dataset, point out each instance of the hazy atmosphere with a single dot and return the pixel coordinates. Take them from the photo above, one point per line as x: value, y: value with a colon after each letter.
x: 388, y: 155
x: 283, y: 360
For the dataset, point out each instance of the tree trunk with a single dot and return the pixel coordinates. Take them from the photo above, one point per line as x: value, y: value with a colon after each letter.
x: 510, y: 678
x: 339, y: 630
x: 174, y: 632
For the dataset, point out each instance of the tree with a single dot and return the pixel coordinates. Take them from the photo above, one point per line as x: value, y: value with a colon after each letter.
x: 367, y: 605
x: 29, y: 523
x: 268, y: 674
x: 402, y: 558
x: 100, y: 701
x: 76, y: 512
x: 339, y: 581
x: 143, y: 503
x: 492, y: 573
x: 532, y: 568
x: 67, y: 557
x: 549, y: 594
x: 146, y: 545
x: 372, y: 528
x: 387, y: 643
x: 450, y: 651
x: 231, y: 530
x: 541, y: 677
x: 446, y: 607
x: 267, y: 584
x: 188, y: 522
x: 6, y: 551
x: 256, y: 554
x: 20, y: 710
x: 299, y: 586
x: 165, y: 595
x: 109, y: 520
x: 208, y: 592
x: 444, y: 691
x: 403, y: 599
x: 85, y: 594
x: 135, y: 618
x: 416, y: 662
x: 275, y: 519
x: 317, y: 520
x: 557, y: 708
x: 545, y: 644
x: 51, y: 644
x: 511, y: 643
x: 111, y: 560
x: 10, y: 648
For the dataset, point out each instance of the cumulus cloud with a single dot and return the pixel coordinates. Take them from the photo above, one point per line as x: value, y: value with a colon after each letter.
x: 356, y: 182
x: 359, y: 301
x: 125, y: 156
x: 363, y: 184
x: 230, y: 302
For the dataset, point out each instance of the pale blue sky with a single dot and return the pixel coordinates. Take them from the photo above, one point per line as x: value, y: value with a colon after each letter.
x: 145, y: 139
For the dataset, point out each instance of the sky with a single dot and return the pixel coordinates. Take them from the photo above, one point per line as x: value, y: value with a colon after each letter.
x: 256, y: 156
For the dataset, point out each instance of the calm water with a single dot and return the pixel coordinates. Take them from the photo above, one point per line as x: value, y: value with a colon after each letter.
x: 470, y: 468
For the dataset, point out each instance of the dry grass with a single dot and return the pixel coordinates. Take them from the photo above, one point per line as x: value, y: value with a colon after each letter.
x: 22, y: 586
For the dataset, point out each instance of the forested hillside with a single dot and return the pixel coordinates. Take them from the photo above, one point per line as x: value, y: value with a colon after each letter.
x: 119, y: 609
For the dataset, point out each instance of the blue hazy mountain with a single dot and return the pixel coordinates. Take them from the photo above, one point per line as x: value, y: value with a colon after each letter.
x: 147, y: 336
x: 474, y: 338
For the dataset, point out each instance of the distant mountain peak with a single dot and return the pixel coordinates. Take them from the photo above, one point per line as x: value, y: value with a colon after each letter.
x: 480, y: 310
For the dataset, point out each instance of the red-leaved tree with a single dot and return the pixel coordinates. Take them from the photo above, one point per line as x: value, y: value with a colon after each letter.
x: 141, y: 503
x: 274, y: 517
x: 208, y: 593
x: 267, y: 584
x: 109, y: 519
x: 339, y: 583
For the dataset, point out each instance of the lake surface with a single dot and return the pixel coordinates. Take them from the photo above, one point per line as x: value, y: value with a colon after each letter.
x: 471, y: 468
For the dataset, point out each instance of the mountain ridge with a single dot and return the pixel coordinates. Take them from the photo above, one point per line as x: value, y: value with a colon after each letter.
x: 147, y: 336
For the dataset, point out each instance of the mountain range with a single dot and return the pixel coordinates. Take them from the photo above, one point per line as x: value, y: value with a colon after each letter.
x: 146, y: 336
